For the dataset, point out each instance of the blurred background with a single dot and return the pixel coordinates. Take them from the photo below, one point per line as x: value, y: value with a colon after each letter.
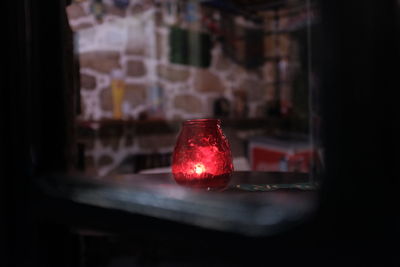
x: 101, y: 87
x: 142, y: 67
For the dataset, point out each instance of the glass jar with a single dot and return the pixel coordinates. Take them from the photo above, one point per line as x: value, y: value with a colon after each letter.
x: 202, y: 156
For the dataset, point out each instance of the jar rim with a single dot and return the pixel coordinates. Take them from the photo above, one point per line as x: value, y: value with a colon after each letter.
x: 202, y: 122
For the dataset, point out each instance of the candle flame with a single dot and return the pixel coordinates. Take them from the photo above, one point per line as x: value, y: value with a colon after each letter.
x: 199, y: 168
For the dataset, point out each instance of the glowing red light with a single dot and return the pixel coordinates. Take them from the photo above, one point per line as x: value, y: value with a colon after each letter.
x: 202, y: 156
x: 199, y: 168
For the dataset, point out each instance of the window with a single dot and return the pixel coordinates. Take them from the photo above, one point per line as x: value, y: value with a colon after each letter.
x: 145, y: 66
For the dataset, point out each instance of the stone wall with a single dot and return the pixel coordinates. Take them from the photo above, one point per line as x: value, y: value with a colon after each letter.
x: 135, y: 40
x: 137, y: 43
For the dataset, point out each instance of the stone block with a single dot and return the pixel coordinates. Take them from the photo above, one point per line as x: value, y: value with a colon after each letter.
x: 206, y: 81
x: 135, y: 94
x: 188, y: 103
x: 135, y: 68
x: 172, y: 74
x: 88, y: 82
x: 101, y: 61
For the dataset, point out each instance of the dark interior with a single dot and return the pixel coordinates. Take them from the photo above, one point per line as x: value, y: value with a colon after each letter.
x: 54, y: 212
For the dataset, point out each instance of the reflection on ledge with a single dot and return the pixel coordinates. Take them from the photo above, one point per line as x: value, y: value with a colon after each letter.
x: 214, y: 183
x: 158, y: 196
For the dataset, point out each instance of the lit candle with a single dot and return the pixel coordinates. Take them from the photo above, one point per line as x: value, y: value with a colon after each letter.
x: 199, y: 168
x: 202, y: 156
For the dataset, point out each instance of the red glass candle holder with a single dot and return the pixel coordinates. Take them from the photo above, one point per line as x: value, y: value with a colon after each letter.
x: 202, y: 156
